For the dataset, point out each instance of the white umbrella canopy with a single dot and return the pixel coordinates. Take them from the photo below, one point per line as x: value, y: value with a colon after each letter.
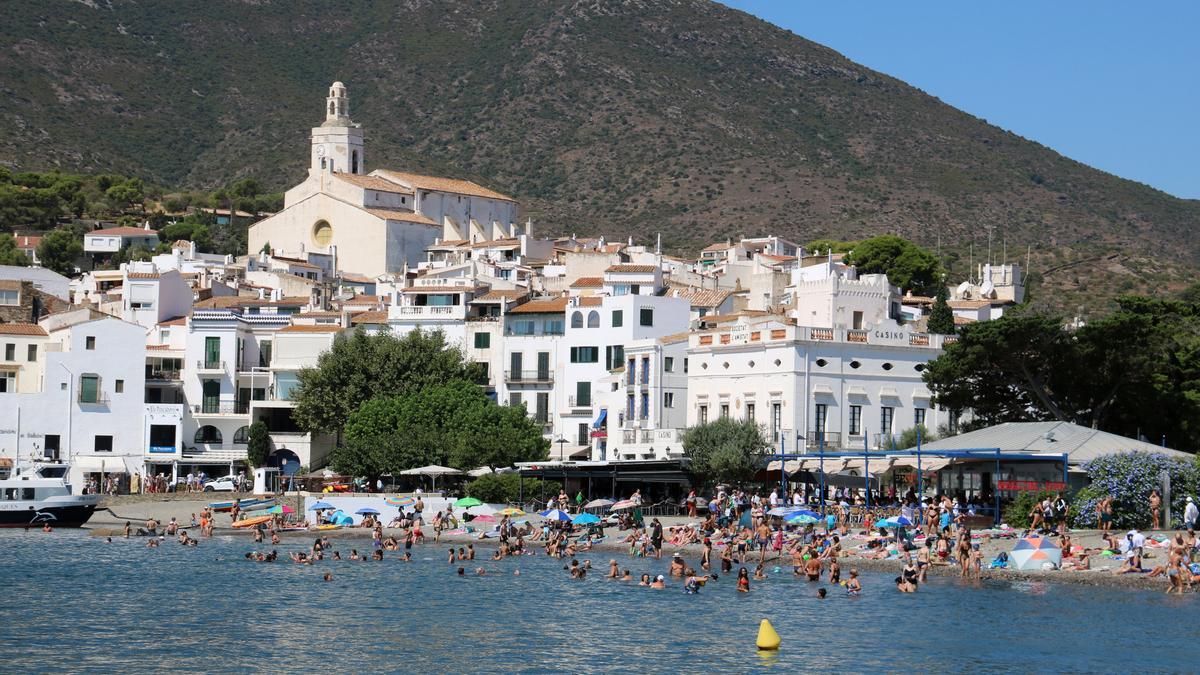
x: 431, y: 470
x: 481, y: 471
x: 597, y: 503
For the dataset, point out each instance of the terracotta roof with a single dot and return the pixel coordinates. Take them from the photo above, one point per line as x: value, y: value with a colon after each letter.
x: 296, y: 261
x: 310, y: 329
x: 126, y: 232
x: 357, y: 278
x: 916, y: 300
x: 447, y: 244
x: 962, y: 321
x: 21, y: 329
x: 177, y: 321
x: 548, y: 306
x: 372, y: 183
x: 588, y: 282
x: 363, y: 300
x: 142, y: 275
x: 399, y: 214
x: 161, y: 347
x: 221, y: 302
x: 778, y: 258
x: 440, y: 289
x: 674, y: 337
x: 612, y: 248
x: 497, y: 243
x: 717, y: 247
x: 699, y: 297
x: 500, y: 296
x: 734, y: 316
x: 27, y: 241
x: 593, y: 301
x: 969, y: 304
x: 436, y: 184
x: 317, y: 315
x: 632, y: 269
x: 369, y: 317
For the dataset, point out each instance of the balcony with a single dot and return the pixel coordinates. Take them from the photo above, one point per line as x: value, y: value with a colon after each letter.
x: 629, y: 436
x: 529, y: 377
x: 92, y: 398
x: 575, y: 402
x: 206, y: 366
x: 859, y: 336
x: 159, y: 375
x: 221, y: 408
x: 215, y: 453
x: 827, y: 440
x: 448, y: 312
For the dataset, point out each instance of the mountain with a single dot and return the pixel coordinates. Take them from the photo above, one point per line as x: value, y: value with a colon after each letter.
x: 625, y: 118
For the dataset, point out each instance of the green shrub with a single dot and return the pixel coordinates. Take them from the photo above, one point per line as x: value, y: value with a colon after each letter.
x: 1016, y: 514
x: 505, y: 488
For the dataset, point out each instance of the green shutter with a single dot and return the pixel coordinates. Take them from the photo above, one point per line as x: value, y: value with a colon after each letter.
x: 89, y: 389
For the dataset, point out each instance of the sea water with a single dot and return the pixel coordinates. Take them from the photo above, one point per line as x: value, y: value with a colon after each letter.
x: 72, y: 602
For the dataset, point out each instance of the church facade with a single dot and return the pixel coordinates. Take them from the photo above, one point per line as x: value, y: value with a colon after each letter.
x: 374, y: 224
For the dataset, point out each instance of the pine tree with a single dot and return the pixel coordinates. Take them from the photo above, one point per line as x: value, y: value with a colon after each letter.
x: 941, y: 318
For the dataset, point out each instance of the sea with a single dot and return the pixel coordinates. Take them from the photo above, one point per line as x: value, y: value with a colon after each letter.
x: 74, y: 602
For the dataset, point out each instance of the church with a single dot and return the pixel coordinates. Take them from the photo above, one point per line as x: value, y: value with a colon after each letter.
x: 374, y: 223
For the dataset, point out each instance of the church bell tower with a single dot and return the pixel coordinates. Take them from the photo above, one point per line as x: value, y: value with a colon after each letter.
x: 337, y: 145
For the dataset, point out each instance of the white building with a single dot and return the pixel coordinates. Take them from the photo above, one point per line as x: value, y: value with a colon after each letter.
x: 643, y: 402
x: 374, y: 224
x: 113, y: 239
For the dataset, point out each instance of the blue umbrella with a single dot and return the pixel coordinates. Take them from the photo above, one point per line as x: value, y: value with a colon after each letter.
x: 317, y: 506
x: 585, y: 519
x: 894, y: 521
x: 801, y: 519
x: 784, y: 510
x: 555, y: 514
x: 367, y: 511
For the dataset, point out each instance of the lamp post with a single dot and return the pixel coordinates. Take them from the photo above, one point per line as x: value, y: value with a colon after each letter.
x: 561, y: 442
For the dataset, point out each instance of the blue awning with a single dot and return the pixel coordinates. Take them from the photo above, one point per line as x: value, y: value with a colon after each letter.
x: 600, y: 420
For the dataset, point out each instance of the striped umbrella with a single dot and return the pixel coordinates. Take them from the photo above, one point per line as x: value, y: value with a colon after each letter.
x: 400, y: 501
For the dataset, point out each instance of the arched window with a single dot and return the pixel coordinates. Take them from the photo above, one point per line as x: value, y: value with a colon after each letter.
x: 208, y: 434
x: 593, y: 319
x: 331, y: 106
x: 354, y: 162
x: 577, y: 320
x: 242, y: 435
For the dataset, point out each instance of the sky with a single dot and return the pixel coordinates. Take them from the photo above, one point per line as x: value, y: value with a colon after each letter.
x: 1113, y: 85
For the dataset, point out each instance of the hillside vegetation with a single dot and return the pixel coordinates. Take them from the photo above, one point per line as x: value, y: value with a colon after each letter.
x: 684, y: 117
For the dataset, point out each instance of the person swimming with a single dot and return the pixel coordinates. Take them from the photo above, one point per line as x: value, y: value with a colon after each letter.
x: 853, y: 585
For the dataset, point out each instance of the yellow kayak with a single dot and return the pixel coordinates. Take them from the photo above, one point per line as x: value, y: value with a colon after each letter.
x: 251, y: 522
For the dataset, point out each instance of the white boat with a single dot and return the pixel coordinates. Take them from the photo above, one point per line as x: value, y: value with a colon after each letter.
x: 38, y: 492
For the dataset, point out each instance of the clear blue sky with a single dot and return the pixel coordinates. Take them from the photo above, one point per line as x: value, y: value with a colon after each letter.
x: 1113, y: 85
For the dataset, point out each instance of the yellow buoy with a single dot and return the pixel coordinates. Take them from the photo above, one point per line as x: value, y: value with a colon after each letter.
x: 767, y: 637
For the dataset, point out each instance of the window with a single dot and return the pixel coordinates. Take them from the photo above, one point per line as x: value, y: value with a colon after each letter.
x: 10, y: 297
x: 577, y: 320
x: 483, y: 340
x: 119, y: 386
x: 669, y: 399
x: 583, y: 393
x: 635, y: 289
x: 646, y: 315
x: 212, y: 352
x: 162, y: 438
x: 750, y: 412
x: 645, y: 406
x: 542, y: 412
x: 918, y: 417
x: 593, y: 319
x: 264, y: 353
x: 210, y: 396
x: 822, y: 417
x: 857, y: 320
x: 618, y: 318
x: 685, y: 365
x: 242, y: 435
x: 724, y: 410
x: 629, y: 407
x: 703, y: 414
x: 669, y: 363
x: 89, y: 389
x: 31, y: 353
x: 208, y: 434
x: 89, y: 342
x: 8, y: 382
x: 522, y: 327
x: 630, y: 370
x: 10, y: 352
x: 776, y: 420
x: 614, y: 356
x: 514, y: 399
x: 585, y: 354
x: 885, y: 421
x: 855, y: 420
x: 646, y: 370
x: 553, y: 327
x: 103, y: 443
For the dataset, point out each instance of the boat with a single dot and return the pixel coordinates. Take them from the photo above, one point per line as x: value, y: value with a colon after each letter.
x: 38, y: 493
x: 247, y: 504
x: 251, y: 522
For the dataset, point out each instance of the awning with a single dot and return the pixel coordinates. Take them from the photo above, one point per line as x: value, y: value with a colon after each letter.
x: 927, y: 463
x: 92, y: 464
x: 856, y: 391
x: 888, y: 392
x: 921, y: 394
x: 600, y: 420
x: 822, y: 389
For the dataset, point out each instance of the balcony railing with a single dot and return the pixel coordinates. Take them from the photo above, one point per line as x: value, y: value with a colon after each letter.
x: 856, y: 336
x: 222, y: 408
x: 205, y: 364
x: 576, y: 402
x: 629, y: 435
x: 94, y: 398
x: 821, y: 333
x: 163, y: 375
x: 529, y: 376
x: 430, y: 311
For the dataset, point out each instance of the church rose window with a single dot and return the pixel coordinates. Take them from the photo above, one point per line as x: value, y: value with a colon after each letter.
x: 322, y: 233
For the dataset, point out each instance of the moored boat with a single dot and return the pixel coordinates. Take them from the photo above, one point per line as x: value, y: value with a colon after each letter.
x: 247, y: 504
x: 38, y: 493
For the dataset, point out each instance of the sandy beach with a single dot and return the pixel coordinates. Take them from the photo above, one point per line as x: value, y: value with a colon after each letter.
x: 138, y: 508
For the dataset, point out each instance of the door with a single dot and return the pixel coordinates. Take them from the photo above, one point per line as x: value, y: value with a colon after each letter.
x: 211, y: 399
x: 543, y: 366
x: 212, y: 352
x: 514, y: 365
x: 52, y: 447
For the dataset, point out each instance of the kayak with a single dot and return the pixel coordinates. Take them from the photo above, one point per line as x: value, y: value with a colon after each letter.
x: 248, y: 504
x: 327, y: 527
x: 251, y: 522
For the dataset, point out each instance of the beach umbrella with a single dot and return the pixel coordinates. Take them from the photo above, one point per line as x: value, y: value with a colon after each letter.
x: 367, y: 511
x: 484, y: 519
x: 623, y: 504
x: 598, y: 503
x: 317, y: 506
x: 281, y: 509
x: 786, y: 511
x: 800, y: 519
x: 585, y: 519
x: 555, y: 514
x: 467, y: 502
x: 511, y: 511
x: 399, y: 501
x: 482, y: 510
x: 1032, y: 553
